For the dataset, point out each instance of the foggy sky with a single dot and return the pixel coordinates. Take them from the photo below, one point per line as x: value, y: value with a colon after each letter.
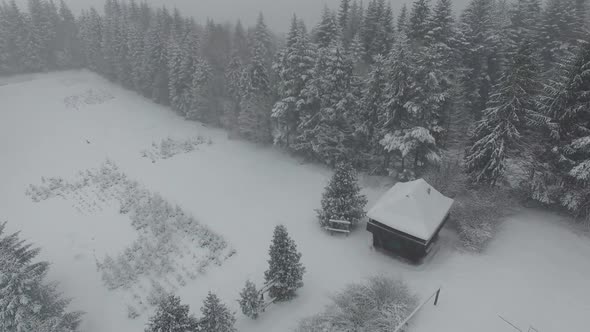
x: 277, y: 13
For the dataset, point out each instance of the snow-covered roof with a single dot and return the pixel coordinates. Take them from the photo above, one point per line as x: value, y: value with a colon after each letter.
x: 414, y: 207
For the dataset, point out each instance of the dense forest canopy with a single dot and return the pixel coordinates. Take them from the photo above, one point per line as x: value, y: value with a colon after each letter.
x: 501, y: 86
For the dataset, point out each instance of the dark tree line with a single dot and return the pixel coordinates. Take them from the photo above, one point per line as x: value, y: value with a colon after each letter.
x: 390, y: 93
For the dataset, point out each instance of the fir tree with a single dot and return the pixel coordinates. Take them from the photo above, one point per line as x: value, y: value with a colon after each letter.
x: 254, y: 119
x: 201, y: 106
x: 402, y: 20
x: 562, y: 175
x: 294, y: 69
x: 172, y: 316
x: 372, y: 103
x: 233, y: 80
x: 419, y: 21
x: 327, y: 31
x: 510, y: 112
x: 250, y: 300
x: 27, y: 301
x: 344, y: 16
x: 326, y: 131
x: 480, y: 52
x: 285, y: 271
x: 216, y: 316
x: 557, y: 35
x: 342, y: 198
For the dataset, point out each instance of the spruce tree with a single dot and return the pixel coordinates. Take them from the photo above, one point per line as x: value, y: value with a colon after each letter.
x: 372, y: 104
x: 216, y: 316
x: 200, y: 91
x: 285, y: 270
x: 326, y: 130
x: 511, y: 110
x: 172, y: 316
x: 327, y: 31
x: 403, y: 20
x: 28, y: 302
x: 294, y: 70
x: 342, y: 198
x: 250, y: 301
x: 419, y: 19
x: 255, y: 106
x: 481, y: 54
x: 562, y: 175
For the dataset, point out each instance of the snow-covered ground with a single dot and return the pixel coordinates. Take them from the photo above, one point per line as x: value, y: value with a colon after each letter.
x: 534, y: 273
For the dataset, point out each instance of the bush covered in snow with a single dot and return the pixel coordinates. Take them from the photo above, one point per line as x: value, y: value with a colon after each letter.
x: 88, y: 97
x: 478, y: 214
x: 379, y: 305
x: 169, y: 147
x: 478, y: 211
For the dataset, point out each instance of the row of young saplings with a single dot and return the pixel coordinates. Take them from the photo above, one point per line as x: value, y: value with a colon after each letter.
x: 282, y: 279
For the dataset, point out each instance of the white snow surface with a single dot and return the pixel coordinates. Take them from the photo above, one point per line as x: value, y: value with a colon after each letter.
x: 535, y: 272
x: 413, y: 207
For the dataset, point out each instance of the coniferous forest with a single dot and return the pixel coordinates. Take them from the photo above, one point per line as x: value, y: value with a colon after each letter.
x: 501, y: 89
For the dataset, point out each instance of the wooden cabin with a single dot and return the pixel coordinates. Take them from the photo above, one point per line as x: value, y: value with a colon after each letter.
x: 407, y: 219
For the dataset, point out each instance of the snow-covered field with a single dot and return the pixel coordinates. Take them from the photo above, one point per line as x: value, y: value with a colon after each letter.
x: 534, y: 273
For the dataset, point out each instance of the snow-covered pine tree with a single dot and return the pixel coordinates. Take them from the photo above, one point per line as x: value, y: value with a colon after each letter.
x: 13, y: 37
x: 255, y: 106
x: 27, y: 301
x: 250, y: 301
x: 356, y: 50
x: 563, y: 174
x: 263, y: 42
x: 200, y: 92
x: 342, y: 198
x: 377, y: 29
x: 557, y: 32
x: 414, y: 93
x: 295, y: 69
x: 216, y: 316
x: 172, y: 316
x: 285, y: 270
x: 68, y: 46
x: 233, y: 86
x: 419, y: 21
x: 441, y: 59
x: 327, y: 32
x: 372, y: 103
x: 91, y: 37
x: 480, y: 52
x: 511, y: 110
x: 403, y: 20
x: 326, y: 130
x: 525, y: 18
x: 344, y: 15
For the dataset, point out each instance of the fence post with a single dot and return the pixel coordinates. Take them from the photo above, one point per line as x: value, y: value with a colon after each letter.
x: 436, y: 297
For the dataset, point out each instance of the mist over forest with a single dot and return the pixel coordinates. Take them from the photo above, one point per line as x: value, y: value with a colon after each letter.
x: 277, y: 12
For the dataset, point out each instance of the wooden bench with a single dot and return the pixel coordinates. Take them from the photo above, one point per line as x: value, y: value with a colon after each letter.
x: 333, y: 223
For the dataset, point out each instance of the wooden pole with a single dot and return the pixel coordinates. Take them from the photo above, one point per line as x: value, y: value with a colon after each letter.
x: 436, y: 298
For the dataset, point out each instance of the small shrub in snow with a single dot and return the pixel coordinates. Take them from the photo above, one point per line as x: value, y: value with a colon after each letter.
x: 379, y: 305
x: 285, y: 270
x: 216, y: 316
x: 169, y: 147
x: 250, y: 301
x: 342, y: 199
x: 477, y: 215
